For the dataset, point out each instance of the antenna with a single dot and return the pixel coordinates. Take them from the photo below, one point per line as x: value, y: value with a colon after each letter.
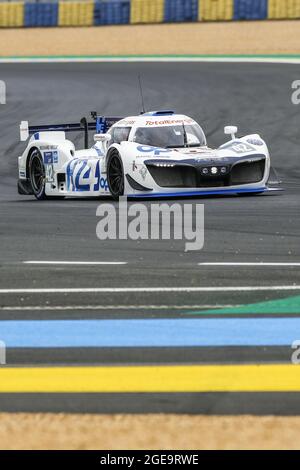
x: 142, y: 96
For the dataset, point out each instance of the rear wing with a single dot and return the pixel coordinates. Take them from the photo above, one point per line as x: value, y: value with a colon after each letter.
x: 101, y: 124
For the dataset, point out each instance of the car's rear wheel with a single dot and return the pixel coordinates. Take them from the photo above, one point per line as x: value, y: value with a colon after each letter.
x: 115, y: 174
x: 37, y: 175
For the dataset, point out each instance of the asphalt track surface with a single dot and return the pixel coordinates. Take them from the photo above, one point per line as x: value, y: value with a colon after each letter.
x: 257, y: 98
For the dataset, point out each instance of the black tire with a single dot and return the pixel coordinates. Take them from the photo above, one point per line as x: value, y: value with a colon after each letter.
x: 115, y: 174
x: 37, y: 175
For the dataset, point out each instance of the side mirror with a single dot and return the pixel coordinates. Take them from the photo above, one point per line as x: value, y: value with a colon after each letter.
x: 230, y: 130
x: 102, y: 137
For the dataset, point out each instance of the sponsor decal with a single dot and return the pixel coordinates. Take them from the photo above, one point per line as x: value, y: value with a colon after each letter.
x: 125, y: 122
x: 50, y: 157
x: 255, y: 141
x: 143, y: 172
x: 82, y: 176
x: 241, y: 147
x: 169, y: 122
x: 155, y: 150
x: 48, y: 147
x: 49, y: 171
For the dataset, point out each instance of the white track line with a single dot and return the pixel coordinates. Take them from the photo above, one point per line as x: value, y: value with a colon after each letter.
x: 39, y: 60
x: 103, y: 263
x: 76, y: 263
x: 112, y: 307
x: 259, y: 264
x: 103, y: 290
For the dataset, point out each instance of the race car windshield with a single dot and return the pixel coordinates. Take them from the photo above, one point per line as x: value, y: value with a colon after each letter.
x: 182, y: 135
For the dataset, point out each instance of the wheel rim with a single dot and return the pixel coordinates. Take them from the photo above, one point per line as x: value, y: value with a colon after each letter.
x: 115, y: 176
x: 37, y: 174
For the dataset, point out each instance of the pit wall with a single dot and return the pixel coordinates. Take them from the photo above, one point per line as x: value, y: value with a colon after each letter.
x: 104, y: 12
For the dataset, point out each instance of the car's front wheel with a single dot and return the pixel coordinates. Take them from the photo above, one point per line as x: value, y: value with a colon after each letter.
x: 115, y: 174
x: 37, y: 175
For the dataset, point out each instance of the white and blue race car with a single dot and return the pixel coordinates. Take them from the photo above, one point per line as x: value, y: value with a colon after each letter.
x: 155, y: 154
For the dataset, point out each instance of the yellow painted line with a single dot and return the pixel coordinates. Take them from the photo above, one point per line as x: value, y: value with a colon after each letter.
x: 212, y: 378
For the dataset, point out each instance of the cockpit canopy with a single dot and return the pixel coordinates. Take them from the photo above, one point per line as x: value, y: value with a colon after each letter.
x: 162, y: 129
x: 173, y: 136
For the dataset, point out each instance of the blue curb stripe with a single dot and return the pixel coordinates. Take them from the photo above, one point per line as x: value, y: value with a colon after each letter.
x: 150, y: 333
